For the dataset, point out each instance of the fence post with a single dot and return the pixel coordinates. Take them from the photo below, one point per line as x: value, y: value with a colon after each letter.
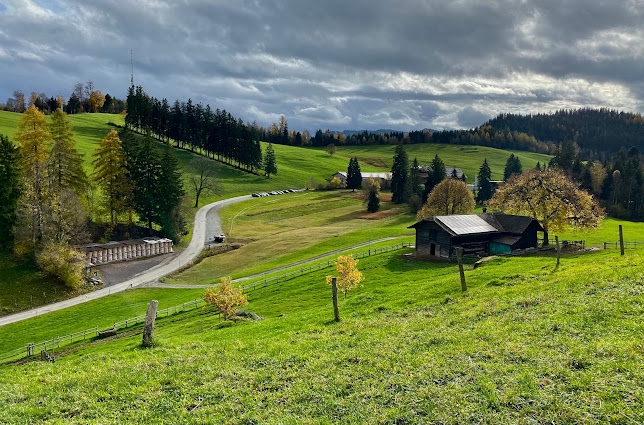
x: 558, y: 249
x: 334, y: 294
x: 459, y: 256
x: 621, y: 240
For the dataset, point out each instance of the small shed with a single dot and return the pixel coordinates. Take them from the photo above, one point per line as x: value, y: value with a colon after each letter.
x: 489, y: 233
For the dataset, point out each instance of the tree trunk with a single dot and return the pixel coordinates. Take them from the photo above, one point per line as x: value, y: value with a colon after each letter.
x: 197, y: 199
x: 334, y: 294
x: 546, y: 242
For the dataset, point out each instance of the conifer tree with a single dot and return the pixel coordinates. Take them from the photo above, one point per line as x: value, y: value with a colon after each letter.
x: 400, y: 176
x: 111, y: 175
x: 354, y: 175
x: 485, y: 190
x: 65, y: 163
x: 9, y: 194
x: 32, y: 135
x: 171, y: 192
x: 414, y: 178
x: 270, y: 163
x: 512, y: 166
x: 436, y: 175
x: 144, y: 168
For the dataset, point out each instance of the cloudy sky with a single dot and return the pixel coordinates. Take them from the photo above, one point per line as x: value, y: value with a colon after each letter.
x: 338, y: 64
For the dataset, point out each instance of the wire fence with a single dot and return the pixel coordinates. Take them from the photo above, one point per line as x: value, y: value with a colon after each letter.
x: 270, y: 281
x: 53, y: 344
x: 626, y: 244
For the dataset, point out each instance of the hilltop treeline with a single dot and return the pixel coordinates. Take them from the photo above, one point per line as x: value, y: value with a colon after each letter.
x: 599, y: 133
x: 196, y: 128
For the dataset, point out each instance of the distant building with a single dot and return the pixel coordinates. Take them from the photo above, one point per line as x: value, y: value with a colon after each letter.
x: 424, y: 171
x: 110, y: 252
x: 342, y: 175
x: 487, y: 233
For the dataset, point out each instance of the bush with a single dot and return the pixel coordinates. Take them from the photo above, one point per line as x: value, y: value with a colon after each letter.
x: 63, y: 263
x: 415, y: 203
x: 225, y: 297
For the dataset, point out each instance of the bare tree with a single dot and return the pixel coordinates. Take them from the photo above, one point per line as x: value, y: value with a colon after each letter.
x: 79, y: 91
x: 19, y: 105
x: 202, y: 179
x: 89, y: 89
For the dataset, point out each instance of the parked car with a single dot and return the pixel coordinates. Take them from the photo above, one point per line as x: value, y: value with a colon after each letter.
x: 219, y: 238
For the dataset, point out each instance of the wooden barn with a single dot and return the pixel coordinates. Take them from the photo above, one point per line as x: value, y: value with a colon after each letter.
x: 487, y: 233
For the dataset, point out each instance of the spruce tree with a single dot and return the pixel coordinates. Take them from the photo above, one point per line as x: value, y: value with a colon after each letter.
x: 9, y: 182
x: 434, y: 177
x: 486, y: 190
x: 270, y: 164
x: 414, y: 178
x: 170, y: 194
x: 512, y: 166
x: 400, y: 176
x: 354, y: 175
x: 373, y: 205
x: 145, y: 171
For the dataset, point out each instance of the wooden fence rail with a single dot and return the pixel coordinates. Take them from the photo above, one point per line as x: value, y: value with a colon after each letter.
x: 51, y: 345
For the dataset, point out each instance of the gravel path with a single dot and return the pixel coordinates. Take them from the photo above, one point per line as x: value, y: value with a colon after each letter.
x: 200, y: 235
x: 158, y: 284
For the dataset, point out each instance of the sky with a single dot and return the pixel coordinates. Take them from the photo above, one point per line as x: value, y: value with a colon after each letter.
x: 336, y: 64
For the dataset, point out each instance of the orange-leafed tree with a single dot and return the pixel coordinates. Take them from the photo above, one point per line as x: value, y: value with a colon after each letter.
x: 96, y: 100
x: 349, y: 275
x: 225, y: 297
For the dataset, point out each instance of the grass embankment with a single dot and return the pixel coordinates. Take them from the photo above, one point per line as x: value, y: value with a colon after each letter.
x: 525, y: 344
x: 280, y: 230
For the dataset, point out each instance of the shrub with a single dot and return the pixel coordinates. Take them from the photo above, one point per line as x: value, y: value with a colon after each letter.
x: 225, y: 297
x: 62, y: 262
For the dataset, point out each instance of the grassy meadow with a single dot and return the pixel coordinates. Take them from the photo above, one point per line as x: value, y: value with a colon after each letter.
x: 527, y: 343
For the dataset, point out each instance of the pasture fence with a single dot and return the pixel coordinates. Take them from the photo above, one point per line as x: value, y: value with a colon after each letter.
x: 633, y: 244
x: 49, y: 346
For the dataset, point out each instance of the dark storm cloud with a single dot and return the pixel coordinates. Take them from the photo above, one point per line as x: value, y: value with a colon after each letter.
x: 336, y: 64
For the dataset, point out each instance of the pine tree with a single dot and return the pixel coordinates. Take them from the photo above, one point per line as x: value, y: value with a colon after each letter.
x: 270, y: 163
x: 170, y: 194
x: 414, y: 178
x: 354, y: 175
x: 9, y: 194
x: 400, y: 176
x: 434, y: 177
x: 145, y: 169
x: 512, y: 166
x: 111, y: 175
x: 486, y: 190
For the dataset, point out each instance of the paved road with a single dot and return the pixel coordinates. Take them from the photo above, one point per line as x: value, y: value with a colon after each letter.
x: 158, y: 284
x: 199, y: 237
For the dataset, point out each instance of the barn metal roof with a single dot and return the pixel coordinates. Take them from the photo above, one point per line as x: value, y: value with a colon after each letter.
x: 465, y: 224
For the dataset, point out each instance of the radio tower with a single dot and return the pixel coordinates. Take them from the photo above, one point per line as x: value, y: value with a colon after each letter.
x: 132, y: 66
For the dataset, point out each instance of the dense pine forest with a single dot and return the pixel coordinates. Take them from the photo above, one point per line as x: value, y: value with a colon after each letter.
x: 599, y: 133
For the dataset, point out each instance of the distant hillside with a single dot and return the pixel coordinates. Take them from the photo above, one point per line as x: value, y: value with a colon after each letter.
x: 596, y: 131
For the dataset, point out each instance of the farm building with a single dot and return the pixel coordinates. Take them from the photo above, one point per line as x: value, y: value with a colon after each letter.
x: 110, y: 252
x: 342, y: 175
x: 450, y: 172
x: 489, y: 233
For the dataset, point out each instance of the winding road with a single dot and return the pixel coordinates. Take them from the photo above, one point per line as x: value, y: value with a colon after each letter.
x: 207, y: 222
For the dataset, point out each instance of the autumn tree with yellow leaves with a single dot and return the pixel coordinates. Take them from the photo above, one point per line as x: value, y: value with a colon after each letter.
x: 225, y: 297
x: 349, y: 276
x: 551, y: 198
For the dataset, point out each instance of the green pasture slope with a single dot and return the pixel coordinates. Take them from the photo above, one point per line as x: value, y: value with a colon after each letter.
x: 527, y: 343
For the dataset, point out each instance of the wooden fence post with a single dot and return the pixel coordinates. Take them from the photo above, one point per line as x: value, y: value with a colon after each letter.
x: 459, y: 256
x: 558, y: 249
x: 334, y: 294
x: 621, y: 240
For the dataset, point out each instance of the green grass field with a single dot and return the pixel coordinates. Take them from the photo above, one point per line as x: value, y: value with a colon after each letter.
x: 526, y: 344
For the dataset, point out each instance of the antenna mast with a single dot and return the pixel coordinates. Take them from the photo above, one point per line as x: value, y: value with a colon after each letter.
x: 132, y: 66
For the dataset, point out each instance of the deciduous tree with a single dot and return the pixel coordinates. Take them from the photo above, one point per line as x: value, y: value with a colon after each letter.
x: 111, y: 176
x: 349, y: 277
x: 449, y: 197
x: 225, y: 298
x: 331, y: 149
x: 96, y: 100
x: 202, y: 179
x: 549, y: 197
x: 32, y: 135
